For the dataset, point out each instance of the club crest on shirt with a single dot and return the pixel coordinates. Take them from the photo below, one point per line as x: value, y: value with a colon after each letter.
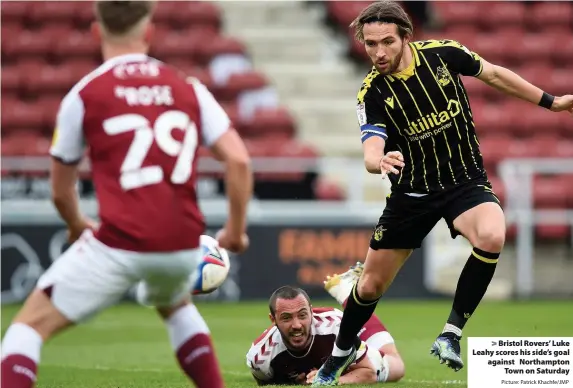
x: 379, y: 233
x: 443, y: 76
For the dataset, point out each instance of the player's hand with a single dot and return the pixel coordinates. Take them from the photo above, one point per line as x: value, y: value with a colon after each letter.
x: 310, y: 376
x: 75, y: 230
x: 563, y: 103
x: 300, y: 379
x: 390, y: 161
x: 233, y: 242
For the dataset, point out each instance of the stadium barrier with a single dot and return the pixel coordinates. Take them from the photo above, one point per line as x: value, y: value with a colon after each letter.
x: 518, y: 175
x: 291, y: 243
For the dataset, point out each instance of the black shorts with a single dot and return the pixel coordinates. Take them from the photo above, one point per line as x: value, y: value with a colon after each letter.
x: 407, y: 220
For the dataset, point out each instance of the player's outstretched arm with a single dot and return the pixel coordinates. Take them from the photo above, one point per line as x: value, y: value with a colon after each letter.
x: 231, y: 150
x: 373, y: 149
x: 512, y: 84
x: 376, y: 162
x: 65, y: 198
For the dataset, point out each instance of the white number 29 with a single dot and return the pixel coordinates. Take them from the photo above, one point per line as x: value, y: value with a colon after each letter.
x: 133, y: 175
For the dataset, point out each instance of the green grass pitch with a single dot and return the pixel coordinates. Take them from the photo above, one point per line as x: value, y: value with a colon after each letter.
x: 127, y: 345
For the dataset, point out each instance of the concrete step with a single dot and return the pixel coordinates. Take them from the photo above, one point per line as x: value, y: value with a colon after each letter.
x: 273, y: 13
x: 312, y: 85
x: 313, y: 80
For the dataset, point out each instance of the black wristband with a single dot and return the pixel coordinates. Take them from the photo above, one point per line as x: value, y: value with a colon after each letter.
x: 546, y: 100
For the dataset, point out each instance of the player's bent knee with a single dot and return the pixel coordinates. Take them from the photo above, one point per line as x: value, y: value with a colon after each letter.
x: 490, y: 239
x: 41, y: 315
x: 370, y: 287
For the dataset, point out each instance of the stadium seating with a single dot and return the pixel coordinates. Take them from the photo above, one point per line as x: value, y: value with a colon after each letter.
x: 535, y: 39
x: 47, y: 47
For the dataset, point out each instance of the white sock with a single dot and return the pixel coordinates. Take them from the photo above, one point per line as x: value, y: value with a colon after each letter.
x: 337, y: 352
x: 184, y: 324
x: 23, y: 340
x: 448, y: 328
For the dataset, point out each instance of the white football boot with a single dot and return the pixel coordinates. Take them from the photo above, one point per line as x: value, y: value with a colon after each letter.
x: 340, y: 285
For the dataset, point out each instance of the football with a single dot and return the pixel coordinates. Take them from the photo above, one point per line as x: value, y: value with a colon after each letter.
x: 213, y: 268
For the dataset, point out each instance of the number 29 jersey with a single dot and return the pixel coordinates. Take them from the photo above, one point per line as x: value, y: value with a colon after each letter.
x: 142, y: 122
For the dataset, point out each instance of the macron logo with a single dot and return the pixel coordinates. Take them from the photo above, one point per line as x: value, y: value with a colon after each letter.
x: 197, y: 353
x: 22, y: 370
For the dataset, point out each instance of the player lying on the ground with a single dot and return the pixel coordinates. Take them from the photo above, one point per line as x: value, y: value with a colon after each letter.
x: 302, y: 337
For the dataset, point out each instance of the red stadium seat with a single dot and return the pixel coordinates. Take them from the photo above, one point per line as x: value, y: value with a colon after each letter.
x: 520, y: 149
x: 27, y: 44
x: 552, y: 232
x: 490, y: 46
x: 534, y: 45
x: 77, y: 44
x: 343, y: 12
x: 458, y: 13
x: 491, y: 118
x: 475, y: 88
x: 270, y: 122
x: 50, y: 105
x: 198, y: 15
x: 11, y: 80
x: 9, y: 30
x: 164, y: 10
x: 84, y: 14
x: 240, y: 82
x: 564, y: 148
x: 527, y: 121
x: 549, y: 192
x: 51, y: 11
x: 503, y: 14
x: 493, y: 149
x: 18, y: 115
x: 24, y: 143
x: 56, y: 31
x: 50, y: 79
x: 15, y: 11
x: 207, y: 49
x: 456, y: 32
x: 563, y: 48
x: 560, y: 81
x: 173, y: 45
x: 280, y: 147
x: 550, y: 14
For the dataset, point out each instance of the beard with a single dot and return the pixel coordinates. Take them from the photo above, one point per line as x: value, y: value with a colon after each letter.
x: 394, y: 63
x: 296, y: 347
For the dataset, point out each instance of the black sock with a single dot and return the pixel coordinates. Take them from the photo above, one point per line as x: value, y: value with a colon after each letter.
x: 357, y: 312
x: 472, y: 285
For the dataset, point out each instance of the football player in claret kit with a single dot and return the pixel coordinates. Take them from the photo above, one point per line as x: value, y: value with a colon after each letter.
x: 143, y: 122
x: 301, y: 338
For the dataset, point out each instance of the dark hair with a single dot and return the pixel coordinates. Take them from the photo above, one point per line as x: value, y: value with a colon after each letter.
x: 385, y: 11
x: 288, y: 293
x: 119, y: 17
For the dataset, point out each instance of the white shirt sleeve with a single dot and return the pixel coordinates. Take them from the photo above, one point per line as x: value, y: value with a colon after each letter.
x: 68, y: 141
x: 214, y: 120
